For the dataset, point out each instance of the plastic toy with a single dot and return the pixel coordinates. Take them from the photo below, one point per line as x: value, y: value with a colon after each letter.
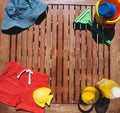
x: 109, y: 88
x: 42, y: 96
x: 90, y: 95
x: 110, y: 5
x: 85, y: 18
x: 107, y: 10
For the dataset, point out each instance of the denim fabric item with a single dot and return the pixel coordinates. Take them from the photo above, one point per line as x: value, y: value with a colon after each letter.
x: 22, y: 13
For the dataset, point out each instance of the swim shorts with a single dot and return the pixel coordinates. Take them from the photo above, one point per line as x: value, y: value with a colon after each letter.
x: 17, y: 84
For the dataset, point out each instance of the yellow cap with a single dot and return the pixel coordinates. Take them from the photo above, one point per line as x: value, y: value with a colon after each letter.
x: 90, y: 95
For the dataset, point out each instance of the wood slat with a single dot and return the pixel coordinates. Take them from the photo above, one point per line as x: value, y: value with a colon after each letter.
x: 95, y: 63
x: 19, y: 48
x: 106, y: 61
x: 58, y: 108
x: 42, y: 46
x: 30, y: 48
x: 48, y: 41
x: 64, y: 108
x: 77, y: 58
x: 72, y: 57
x: 89, y: 57
x: 71, y: 2
x: 94, y: 54
x: 24, y: 47
x: 36, y: 47
x: 7, y: 109
x: 5, y: 50
x: 13, y: 48
x: 54, y: 52
x: 65, y: 55
x: 100, y: 61
x: 114, y: 64
x: 83, y: 54
x: 59, y: 54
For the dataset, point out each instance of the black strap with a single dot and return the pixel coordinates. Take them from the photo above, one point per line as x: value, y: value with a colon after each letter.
x: 87, y: 108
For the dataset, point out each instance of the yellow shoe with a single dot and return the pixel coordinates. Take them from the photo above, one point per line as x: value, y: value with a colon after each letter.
x: 109, y: 88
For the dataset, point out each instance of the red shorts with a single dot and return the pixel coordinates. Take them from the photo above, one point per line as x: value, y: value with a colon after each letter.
x: 17, y: 84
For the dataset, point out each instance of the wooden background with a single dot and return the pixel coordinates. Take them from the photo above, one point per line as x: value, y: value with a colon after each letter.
x: 72, y: 58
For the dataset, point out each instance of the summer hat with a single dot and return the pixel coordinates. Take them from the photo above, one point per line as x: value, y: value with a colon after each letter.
x: 22, y: 13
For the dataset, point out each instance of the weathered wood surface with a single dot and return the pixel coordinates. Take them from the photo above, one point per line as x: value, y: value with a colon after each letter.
x: 73, y: 59
x: 71, y: 2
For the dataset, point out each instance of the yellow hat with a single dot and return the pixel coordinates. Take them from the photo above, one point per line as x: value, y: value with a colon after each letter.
x: 90, y: 95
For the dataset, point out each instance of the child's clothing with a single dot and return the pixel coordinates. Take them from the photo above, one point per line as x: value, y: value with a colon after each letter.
x: 17, y: 84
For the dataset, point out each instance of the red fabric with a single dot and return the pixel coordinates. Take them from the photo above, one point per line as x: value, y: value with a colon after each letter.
x: 17, y: 92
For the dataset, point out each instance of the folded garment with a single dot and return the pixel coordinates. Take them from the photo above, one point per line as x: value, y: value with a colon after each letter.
x: 17, y: 84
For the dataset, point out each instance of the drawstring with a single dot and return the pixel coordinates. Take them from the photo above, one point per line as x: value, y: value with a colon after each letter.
x: 29, y: 72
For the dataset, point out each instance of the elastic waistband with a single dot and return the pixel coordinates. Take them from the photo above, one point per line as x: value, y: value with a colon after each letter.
x: 17, y: 66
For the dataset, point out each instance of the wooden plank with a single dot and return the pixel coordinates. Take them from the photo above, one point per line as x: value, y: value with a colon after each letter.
x: 106, y: 61
x: 7, y: 109
x: 24, y: 47
x: 58, y: 108
x: 4, y: 50
x: 48, y: 41
x: 64, y: 108
x: 83, y: 54
x: 112, y: 107
x: 13, y: 47
x: 65, y: 55
x: 4, y: 40
x: 19, y: 48
x: 89, y: 57
x: 100, y: 57
x: 77, y: 58
x: 94, y: 54
x: 54, y: 52
x: 71, y: 2
x: 95, y: 62
x: 72, y: 58
x: 42, y: 46
x: 59, y: 54
x: 115, y: 55
x: 30, y: 48
x: 117, y: 105
x: 36, y: 47
x: 115, y: 64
